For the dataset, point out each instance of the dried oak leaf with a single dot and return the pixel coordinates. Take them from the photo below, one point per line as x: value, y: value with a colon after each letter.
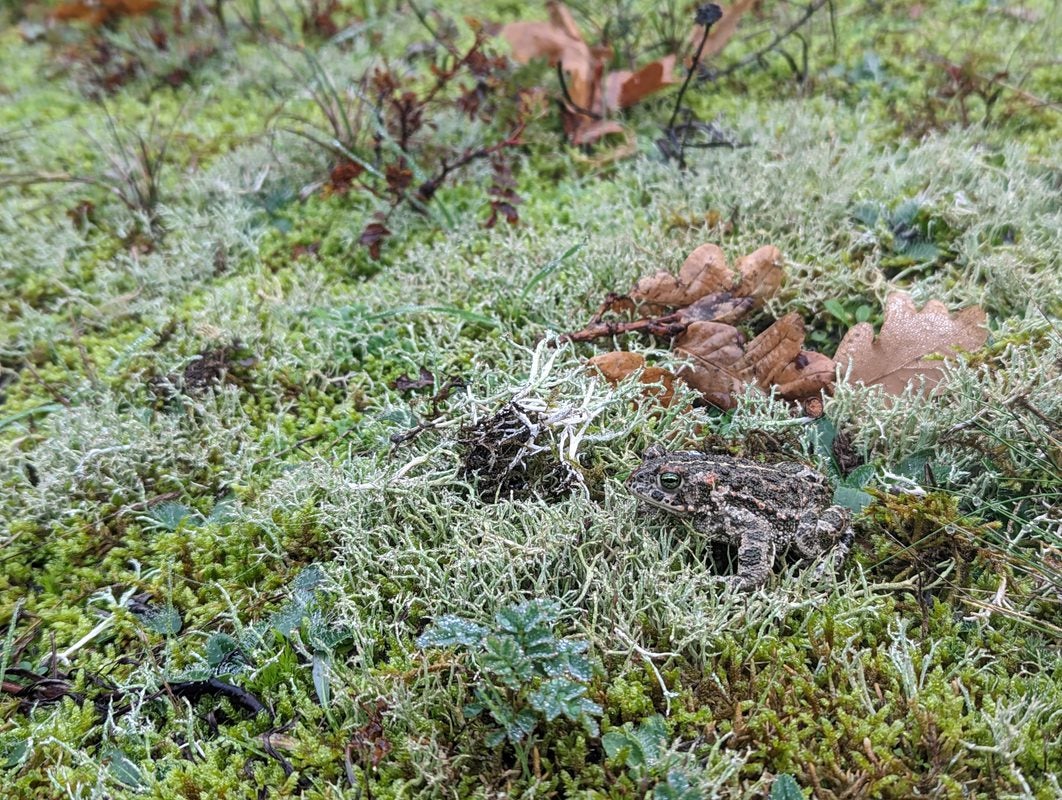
x: 558, y: 41
x: 590, y: 132
x: 907, y: 338
x: 714, y: 350
x: 703, y: 272
x: 614, y: 367
x: 716, y: 307
x: 592, y: 90
x: 769, y: 353
x: 759, y: 274
x: 805, y: 376
x: 624, y: 88
x: 101, y: 12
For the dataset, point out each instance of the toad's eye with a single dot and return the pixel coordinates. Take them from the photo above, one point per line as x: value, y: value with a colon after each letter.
x: 669, y: 480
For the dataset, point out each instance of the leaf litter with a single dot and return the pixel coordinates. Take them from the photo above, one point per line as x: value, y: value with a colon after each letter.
x: 698, y: 309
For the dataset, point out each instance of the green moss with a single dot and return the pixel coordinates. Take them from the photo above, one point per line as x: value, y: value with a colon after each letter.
x: 931, y: 670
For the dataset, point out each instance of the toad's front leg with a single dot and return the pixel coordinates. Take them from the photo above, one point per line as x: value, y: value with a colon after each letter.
x: 756, y: 550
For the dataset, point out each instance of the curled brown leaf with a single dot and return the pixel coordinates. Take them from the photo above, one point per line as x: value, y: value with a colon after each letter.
x: 589, y: 132
x: 614, y: 367
x: 624, y: 88
x: 590, y: 90
x: 806, y: 376
x: 760, y: 274
x: 723, y: 30
x: 718, y: 307
x: 560, y: 42
x: 704, y: 271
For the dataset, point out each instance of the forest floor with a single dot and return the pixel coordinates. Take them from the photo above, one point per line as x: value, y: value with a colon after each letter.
x: 303, y: 492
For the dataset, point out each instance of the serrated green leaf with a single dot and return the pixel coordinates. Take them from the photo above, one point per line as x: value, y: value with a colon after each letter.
x: 561, y: 696
x: 169, y: 516
x: 557, y: 696
x: 572, y: 664
x: 861, y: 476
x: 677, y: 787
x: 166, y: 621
x: 905, y: 213
x: 919, y: 252
x: 309, y: 578
x: 638, y: 747
x: 473, y: 710
x: 867, y: 214
x: 504, y: 659
x: 527, y: 616
x: 785, y: 787
x: 288, y: 618
x: 521, y: 726
x: 451, y: 631
x: 329, y: 637
x: 218, y: 647
x: 223, y: 511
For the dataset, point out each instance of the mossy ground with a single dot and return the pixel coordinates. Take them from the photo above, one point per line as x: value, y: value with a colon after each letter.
x: 195, y: 411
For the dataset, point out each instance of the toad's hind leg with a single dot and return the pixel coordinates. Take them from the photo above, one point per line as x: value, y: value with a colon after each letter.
x: 830, y: 531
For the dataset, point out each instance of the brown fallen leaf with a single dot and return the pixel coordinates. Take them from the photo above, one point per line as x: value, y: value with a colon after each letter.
x: 907, y: 340
x: 716, y: 307
x: 719, y: 363
x: 101, y: 12
x: 614, y: 367
x: 590, y: 132
x: 768, y: 354
x: 591, y: 89
x: 723, y: 30
x: 806, y: 376
x: 704, y: 271
x: 624, y: 88
x: 559, y: 42
x: 714, y: 350
x: 760, y: 274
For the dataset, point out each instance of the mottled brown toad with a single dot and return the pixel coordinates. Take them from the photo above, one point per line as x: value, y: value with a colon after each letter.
x: 762, y: 508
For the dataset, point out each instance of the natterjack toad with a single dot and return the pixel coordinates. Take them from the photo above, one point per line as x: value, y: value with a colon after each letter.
x: 761, y: 508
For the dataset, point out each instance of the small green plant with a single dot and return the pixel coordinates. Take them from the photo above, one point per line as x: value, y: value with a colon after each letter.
x: 647, y: 754
x: 529, y: 676
x: 909, y: 235
x: 132, y: 163
x: 785, y: 787
x: 381, y: 132
x: 851, y: 482
x: 310, y: 628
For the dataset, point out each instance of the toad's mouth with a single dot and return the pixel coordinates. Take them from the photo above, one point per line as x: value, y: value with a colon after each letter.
x: 664, y: 503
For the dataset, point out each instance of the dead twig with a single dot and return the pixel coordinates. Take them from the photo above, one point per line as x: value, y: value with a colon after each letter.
x: 752, y: 58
